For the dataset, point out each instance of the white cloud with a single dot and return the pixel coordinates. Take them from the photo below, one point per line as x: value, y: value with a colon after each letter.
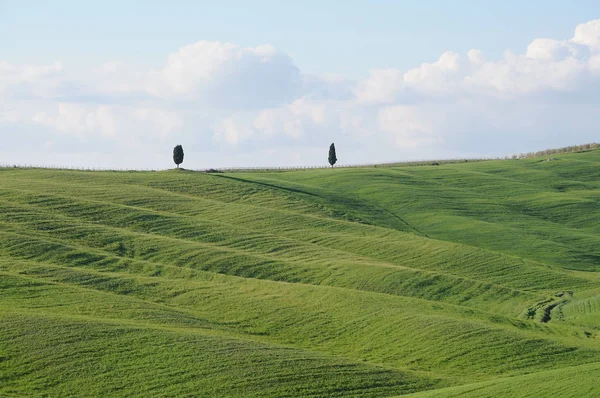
x: 30, y: 80
x: 594, y: 64
x: 441, y: 76
x: 218, y: 95
x: 410, y: 126
x: 11, y: 74
x: 382, y: 86
x: 80, y: 120
x: 549, y: 50
x: 476, y: 57
x: 588, y: 34
x: 114, y: 79
x: 128, y: 125
x: 293, y: 121
x: 548, y: 64
x: 163, y: 121
x: 515, y: 75
x: 227, y: 75
x: 228, y: 131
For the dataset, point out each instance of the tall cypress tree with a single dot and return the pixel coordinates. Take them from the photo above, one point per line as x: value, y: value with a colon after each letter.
x: 178, y: 155
x: 332, y: 156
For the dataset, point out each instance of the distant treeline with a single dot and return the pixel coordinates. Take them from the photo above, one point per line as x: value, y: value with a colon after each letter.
x: 555, y: 151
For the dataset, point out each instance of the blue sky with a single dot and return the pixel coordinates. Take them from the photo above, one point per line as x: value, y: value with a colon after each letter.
x: 348, y: 37
x: 271, y: 82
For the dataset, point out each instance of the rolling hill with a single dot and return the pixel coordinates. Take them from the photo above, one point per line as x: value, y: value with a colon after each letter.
x: 474, y: 279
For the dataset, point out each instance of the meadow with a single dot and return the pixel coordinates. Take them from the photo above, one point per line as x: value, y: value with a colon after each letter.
x: 464, y: 279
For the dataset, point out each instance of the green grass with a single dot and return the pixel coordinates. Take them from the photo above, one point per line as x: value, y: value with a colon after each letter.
x: 575, y: 382
x: 463, y: 279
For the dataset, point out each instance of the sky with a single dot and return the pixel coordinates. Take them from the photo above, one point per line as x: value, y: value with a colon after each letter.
x: 272, y: 83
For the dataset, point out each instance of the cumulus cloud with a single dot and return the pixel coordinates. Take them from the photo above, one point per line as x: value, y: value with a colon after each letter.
x: 476, y: 57
x: 409, y: 126
x: 115, y: 80
x: 127, y: 125
x: 211, y: 74
x: 227, y: 75
x: 442, y: 76
x: 293, y: 121
x: 227, y: 130
x: 548, y: 65
x: 457, y: 98
x: 30, y: 80
x: 165, y: 122
x: 549, y: 50
x: 76, y: 119
x: 213, y: 94
x: 588, y: 34
x: 382, y: 86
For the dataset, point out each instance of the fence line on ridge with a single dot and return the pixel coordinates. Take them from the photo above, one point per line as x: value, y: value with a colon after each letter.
x: 250, y: 168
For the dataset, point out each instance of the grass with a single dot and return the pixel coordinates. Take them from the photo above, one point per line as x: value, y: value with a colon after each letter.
x: 575, y: 382
x: 462, y: 279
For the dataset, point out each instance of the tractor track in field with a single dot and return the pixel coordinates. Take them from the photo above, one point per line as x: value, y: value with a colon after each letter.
x: 548, y: 305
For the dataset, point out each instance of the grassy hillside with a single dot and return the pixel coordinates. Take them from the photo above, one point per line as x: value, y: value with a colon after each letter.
x: 450, y: 280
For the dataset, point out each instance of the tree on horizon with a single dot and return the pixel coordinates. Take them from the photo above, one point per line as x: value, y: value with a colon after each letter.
x: 178, y: 155
x: 332, y: 155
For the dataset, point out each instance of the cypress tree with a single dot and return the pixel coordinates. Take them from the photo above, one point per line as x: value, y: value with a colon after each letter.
x: 178, y: 155
x: 332, y: 156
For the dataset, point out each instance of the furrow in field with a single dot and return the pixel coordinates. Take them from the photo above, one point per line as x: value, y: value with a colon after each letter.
x: 54, y: 355
x: 401, y: 249
x: 316, y: 267
x: 386, y: 330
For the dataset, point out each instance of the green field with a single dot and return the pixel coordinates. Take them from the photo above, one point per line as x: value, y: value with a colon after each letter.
x: 473, y: 279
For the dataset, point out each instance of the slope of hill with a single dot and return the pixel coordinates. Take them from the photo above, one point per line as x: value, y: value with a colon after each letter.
x: 451, y: 280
